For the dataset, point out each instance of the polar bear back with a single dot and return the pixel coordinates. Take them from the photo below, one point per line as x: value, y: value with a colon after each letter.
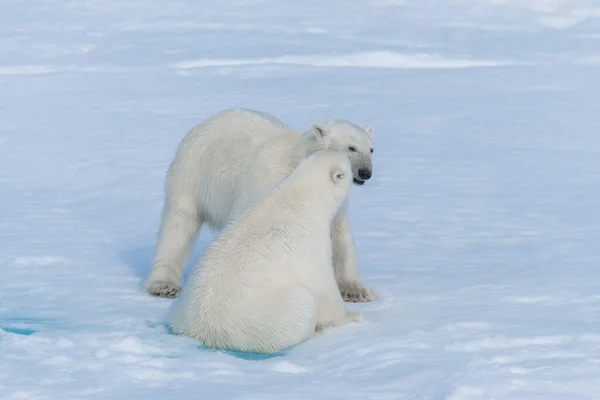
x: 230, y: 160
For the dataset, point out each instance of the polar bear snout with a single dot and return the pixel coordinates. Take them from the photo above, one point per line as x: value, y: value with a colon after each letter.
x: 364, y: 173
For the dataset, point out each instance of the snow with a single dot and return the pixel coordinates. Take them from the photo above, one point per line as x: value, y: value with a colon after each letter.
x: 373, y: 59
x: 479, y: 231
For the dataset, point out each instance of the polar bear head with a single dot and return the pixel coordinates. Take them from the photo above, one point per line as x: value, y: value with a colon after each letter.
x: 355, y: 141
x: 324, y: 177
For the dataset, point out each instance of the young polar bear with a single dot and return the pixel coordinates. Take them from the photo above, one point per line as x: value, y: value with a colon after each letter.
x: 230, y: 161
x: 267, y: 283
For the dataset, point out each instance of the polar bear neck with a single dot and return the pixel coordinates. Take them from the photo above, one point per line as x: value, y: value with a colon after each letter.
x: 300, y: 195
x: 305, y: 146
x: 315, y: 212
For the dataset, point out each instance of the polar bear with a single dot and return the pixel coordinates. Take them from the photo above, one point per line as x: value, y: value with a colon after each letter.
x: 267, y: 282
x: 231, y: 160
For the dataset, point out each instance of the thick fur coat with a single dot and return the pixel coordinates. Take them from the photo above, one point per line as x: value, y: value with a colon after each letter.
x: 230, y: 161
x: 267, y: 282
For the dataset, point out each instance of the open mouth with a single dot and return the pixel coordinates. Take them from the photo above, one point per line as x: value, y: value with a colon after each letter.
x: 358, y: 181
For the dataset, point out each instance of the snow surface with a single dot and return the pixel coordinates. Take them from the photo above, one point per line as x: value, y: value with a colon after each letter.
x: 479, y: 231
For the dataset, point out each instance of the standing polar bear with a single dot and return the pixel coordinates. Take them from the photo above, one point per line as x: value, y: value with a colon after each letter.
x: 267, y: 282
x: 230, y: 161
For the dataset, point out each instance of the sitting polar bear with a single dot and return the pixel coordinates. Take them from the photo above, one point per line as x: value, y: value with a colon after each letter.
x: 230, y: 161
x: 266, y: 283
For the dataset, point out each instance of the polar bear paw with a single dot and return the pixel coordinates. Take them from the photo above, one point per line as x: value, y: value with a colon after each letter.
x: 164, y: 289
x: 355, y: 292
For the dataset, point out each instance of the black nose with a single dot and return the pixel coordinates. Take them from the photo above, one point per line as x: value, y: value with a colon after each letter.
x: 364, y: 173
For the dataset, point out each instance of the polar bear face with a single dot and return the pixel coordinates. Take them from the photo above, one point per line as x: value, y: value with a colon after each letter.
x: 355, y: 141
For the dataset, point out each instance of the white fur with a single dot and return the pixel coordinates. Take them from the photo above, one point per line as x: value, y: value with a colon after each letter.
x: 267, y: 283
x: 230, y: 161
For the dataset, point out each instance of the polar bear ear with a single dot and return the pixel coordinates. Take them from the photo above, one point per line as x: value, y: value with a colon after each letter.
x: 337, y: 175
x: 370, y: 130
x: 319, y: 132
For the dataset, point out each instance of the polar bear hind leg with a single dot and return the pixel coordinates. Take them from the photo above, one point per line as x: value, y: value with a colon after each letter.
x: 273, y: 322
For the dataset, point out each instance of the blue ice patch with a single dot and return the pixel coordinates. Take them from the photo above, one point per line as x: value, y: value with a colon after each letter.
x: 250, y: 356
x: 21, y: 325
x: 18, y: 331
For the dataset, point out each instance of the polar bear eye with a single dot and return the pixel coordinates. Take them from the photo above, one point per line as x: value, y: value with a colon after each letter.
x: 371, y: 151
x: 352, y: 148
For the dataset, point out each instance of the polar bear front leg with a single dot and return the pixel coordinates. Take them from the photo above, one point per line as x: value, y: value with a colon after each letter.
x: 178, y: 229
x: 345, y: 260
